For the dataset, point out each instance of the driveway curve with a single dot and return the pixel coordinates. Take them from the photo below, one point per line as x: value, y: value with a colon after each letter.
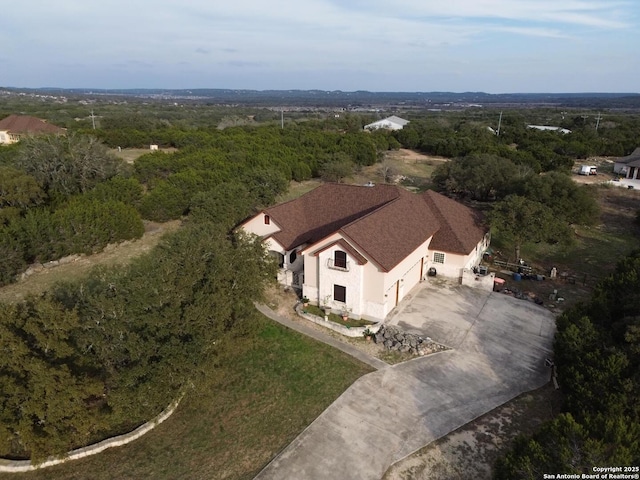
x: 498, y: 349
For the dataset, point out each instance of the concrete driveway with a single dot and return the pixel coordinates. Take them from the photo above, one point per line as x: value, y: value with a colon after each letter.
x: 498, y: 349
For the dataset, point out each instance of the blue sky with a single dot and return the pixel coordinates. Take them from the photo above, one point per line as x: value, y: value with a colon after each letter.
x: 496, y: 46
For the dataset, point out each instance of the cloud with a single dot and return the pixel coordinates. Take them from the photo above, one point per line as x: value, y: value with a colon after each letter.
x: 321, y: 41
x: 600, y: 13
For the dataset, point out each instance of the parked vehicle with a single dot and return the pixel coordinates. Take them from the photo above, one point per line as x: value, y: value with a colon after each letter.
x: 588, y: 170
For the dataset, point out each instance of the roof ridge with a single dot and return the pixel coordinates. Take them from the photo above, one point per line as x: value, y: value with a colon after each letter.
x: 377, y: 209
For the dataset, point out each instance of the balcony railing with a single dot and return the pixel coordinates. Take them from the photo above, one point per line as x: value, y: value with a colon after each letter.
x: 342, y: 266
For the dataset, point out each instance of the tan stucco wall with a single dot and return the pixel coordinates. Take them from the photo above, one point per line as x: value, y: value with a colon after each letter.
x: 454, y: 264
x: 371, y: 292
x: 256, y: 225
x: 5, y: 138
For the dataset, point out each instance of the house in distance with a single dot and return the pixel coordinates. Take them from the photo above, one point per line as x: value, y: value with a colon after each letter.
x: 389, y: 123
x: 14, y: 127
x: 364, y: 248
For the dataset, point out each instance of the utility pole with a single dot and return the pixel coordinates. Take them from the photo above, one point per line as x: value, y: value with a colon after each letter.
x: 93, y: 119
x: 282, y: 118
x: 499, y: 124
x: 598, y: 121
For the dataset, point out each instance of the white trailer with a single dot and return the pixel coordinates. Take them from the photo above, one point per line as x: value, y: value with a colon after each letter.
x: 588, y: 170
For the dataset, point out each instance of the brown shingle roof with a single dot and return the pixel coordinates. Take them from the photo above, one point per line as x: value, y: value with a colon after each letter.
x: 25, y: 124
x: 385, y: 222
x: 390, y: 233
x: 325, y: 210
x: 462, y: 227
x: 360, y: 260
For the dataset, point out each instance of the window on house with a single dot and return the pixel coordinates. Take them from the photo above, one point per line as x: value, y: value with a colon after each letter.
x: 267, y: 219
x: 340, y: 259
x: 340, y: 293
x: 438, y: 257
x: 292, y: 256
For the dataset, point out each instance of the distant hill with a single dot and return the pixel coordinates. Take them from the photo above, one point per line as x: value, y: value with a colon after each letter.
x: 364, y: 99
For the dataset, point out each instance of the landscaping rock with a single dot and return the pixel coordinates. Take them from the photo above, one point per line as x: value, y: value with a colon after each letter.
x: 392, y: 338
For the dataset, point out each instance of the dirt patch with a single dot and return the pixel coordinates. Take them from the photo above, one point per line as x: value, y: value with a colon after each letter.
x: 412, y: 156
x: 114, y: 254
x: 604, y: 166
x: 471, y: 451
x: 130, y: 155
x: 406, y: 167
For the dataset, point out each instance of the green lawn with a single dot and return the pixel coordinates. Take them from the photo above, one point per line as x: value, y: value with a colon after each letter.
x: 297, y: 189
x: 349, y: 322
x: 270, y: 386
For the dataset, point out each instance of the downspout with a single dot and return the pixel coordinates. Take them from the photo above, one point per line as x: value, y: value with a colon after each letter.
x: 318, y: 279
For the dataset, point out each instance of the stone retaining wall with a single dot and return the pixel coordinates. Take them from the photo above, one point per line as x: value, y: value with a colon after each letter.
x: 15, y: 466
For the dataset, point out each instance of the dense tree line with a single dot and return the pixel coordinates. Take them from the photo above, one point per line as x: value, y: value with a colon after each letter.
x: 262, y: 159
x: 101, y: 356
x: 526, y: 206
x: 597, y: 353
x: 451, y: 136
x: 63, y: 195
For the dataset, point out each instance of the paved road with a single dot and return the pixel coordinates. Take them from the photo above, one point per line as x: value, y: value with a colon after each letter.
x: 499, y: 345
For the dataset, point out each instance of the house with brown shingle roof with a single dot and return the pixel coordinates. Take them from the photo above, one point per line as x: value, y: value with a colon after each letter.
x: 13, y: 127
x: 366, y: 247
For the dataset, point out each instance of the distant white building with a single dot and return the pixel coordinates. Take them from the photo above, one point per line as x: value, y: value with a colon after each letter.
x: 548, y: 127
x: 389, y: 123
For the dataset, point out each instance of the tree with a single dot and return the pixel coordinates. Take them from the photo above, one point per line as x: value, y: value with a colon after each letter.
x: 126, y: 190
x: 387, y: 171
x: 45, y: 382
x: 12, y: 254
x: 519, y: 220
x: 336, y: 168
x: 597, y: 354
x: 228, y: 204
x: 569, y: 201
x: 17, y: 189
x: 65, y: 166
x: 479, y: 176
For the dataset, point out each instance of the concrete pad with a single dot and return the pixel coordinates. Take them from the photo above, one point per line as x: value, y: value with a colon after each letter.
x: 500, y: 344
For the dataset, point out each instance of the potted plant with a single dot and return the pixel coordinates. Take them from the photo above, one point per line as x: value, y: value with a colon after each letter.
x: 305, y: 302
x: 345, y: 311
x: 325, y: 305
x: 368, y: 334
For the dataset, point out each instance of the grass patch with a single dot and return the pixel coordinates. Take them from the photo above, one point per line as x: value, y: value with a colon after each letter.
x: 349, y: 322
x: 393, y: 357
x: 120, y: 254
x: 297, y: 189
x: 593, y: 254
x: 596, y: 249
x: 250, y: 404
